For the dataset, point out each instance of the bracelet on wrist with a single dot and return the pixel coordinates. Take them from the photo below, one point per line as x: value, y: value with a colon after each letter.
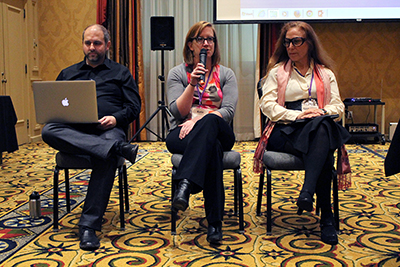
x: 194, y: 85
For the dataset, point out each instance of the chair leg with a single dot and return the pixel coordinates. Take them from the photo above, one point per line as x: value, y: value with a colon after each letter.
x: 236, y: 194
x: 67, y: 192
x: 126, y: 193
x: 173, y: 213
x: 269, y: 203
x: 55, y: 198
x: 335, y: 190
x: 239, y: 196
x: 121, y: 197
x: 260, y: 192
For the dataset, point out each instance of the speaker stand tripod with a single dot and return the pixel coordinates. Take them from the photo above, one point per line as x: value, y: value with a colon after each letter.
x: 161, y: 108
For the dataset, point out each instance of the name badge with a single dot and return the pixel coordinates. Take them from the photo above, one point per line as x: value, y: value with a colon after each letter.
x: 196, y: 111
x: 308, y: 103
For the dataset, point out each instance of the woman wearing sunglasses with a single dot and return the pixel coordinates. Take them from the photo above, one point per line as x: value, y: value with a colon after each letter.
x: 300, y: 95
x: 202, y: 99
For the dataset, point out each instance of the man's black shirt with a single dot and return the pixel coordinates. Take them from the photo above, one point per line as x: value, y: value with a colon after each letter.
x: 117, y: 93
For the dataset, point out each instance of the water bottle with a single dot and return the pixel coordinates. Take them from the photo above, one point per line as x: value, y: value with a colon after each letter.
x: 35, y: 211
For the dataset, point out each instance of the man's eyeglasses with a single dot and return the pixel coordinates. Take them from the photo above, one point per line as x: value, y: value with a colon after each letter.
x: 200, y: 40
x: 296, y: 41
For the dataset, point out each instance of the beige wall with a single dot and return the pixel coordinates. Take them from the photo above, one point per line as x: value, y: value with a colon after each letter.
x: 61, y: 24
x: 367, y: 54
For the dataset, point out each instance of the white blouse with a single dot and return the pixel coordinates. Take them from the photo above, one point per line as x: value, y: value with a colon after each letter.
x: 297, y: 89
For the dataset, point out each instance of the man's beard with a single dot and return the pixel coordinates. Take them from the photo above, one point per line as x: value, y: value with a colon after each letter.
x: 94, y: 57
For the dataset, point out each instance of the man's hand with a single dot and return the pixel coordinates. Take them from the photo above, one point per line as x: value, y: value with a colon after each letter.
x: 107, y: 122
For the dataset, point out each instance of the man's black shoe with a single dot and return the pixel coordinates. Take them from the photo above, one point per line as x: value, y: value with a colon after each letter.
x: 182, y: 193
x: 127, y: 151
x: 88, y: 238
x: 214, y: 233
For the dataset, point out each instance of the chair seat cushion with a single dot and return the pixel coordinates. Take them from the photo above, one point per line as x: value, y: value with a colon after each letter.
x: 282, y: 161
x: 231, y: 160
x: 71, y: 161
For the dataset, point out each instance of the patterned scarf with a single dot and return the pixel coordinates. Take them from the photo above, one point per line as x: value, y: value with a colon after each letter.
x: 323, y: 98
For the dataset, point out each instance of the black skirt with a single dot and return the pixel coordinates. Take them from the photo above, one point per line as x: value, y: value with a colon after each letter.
x: 299, y: 134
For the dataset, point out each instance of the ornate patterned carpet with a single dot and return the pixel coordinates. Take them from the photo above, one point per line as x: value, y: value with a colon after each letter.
x: 369, y: 214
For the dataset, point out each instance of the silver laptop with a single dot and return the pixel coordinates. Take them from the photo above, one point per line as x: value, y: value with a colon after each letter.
x: 65, y: 101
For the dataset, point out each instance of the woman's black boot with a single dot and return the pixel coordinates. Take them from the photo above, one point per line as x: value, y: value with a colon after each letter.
x: 328, y: 230
x: 305, y: 201
x: 182, y: 193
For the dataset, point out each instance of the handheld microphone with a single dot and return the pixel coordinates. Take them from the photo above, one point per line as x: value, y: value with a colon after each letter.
x: 203, y: 59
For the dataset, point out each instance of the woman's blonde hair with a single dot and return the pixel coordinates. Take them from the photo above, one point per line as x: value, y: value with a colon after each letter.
x: 192, y: 34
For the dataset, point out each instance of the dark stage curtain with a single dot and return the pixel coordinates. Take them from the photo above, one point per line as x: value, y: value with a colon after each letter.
x: 122, y: 19
x: 101, y: 11
x: 269, y: 34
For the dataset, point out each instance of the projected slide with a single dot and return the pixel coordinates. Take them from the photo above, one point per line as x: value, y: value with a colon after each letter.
x: 317, y: 3
x: 317, y: 9
x: 238, y: 11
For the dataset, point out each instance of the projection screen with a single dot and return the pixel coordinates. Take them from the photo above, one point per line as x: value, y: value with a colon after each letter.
x: 259, y: 11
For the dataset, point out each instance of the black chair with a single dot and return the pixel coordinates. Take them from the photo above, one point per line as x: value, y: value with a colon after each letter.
x: 231, y: 160
x: 65, y: 162
x: 262, y: 116
x: 287, y: 162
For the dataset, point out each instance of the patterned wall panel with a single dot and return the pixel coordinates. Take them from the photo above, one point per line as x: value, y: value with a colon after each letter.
x: 60, y: 29
x: 367, y: 62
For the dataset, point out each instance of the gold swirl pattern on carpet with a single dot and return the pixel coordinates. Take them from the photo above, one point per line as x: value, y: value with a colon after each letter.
x: 369, y: 217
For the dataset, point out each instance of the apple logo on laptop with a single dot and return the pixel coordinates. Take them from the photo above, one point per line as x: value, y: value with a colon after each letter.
x: 65, y: 102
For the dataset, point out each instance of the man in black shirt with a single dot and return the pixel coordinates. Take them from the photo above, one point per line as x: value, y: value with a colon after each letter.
x: 119, y: 104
